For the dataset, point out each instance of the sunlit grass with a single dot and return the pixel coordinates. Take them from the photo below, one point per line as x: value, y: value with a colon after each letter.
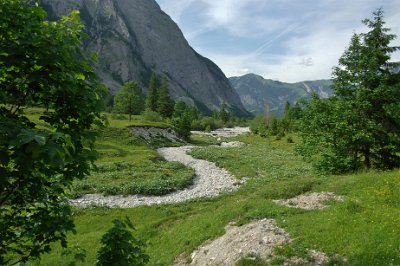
x: 364, y: 228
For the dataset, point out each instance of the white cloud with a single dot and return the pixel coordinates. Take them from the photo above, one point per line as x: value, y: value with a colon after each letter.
x: 175, y: 8
x: 279, y: 39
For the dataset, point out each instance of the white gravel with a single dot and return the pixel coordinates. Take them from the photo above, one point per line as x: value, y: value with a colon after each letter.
x: 258, y: 238
x: 225, y: 132
x: 209, y: 181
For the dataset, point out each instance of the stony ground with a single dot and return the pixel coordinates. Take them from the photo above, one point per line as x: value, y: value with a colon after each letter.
x: 310, y: 201
x: 225, y: 132
x: 209, y: 181
x: 258, y: 238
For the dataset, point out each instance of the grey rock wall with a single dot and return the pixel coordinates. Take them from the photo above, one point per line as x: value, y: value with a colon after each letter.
x: 135, y: 37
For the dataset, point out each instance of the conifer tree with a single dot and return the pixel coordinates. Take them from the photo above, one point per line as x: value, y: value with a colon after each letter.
x: 152, y: 94
x: 361, y: 125
x: 164, y: 102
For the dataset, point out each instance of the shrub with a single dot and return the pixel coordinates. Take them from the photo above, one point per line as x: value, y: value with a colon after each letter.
x: 120, y: 247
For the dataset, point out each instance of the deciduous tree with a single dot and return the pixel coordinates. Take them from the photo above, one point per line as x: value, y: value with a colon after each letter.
x: 129, y: 100
x: 41, y: 64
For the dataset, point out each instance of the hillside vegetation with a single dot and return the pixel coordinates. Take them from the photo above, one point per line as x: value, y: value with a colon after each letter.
x: 363, y: 229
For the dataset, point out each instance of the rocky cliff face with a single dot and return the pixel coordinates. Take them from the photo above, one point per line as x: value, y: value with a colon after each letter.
x: 258, y: 94
x: 135, y: 37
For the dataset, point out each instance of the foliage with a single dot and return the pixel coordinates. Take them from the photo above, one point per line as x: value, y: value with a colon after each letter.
x: 165, y: 104
x: 364, y: 129
x: 152, y: 116
x: 126, y: 166
x: 152, y: 94
x: 41, y: 64
x: 223, y: 113
x: 274, y: 172
x: 129, y: 100
x: 272, y: 126
x: 120, y: 248
x: 182, y: 125
x: 327, y: 152
x: 206, y: 123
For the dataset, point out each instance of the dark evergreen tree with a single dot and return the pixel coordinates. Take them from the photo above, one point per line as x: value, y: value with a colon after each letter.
x: 120, y: 247
x: 223, y: 113
x: 182, y: 125
x: 152, y: 94
x: 179, y: 108
x: 365, y: 127
x: 165, y: 104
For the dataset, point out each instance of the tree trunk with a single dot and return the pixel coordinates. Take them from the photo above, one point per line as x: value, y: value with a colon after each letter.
x: 367, y: 159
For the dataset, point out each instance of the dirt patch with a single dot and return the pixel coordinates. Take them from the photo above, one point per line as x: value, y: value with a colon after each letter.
x: 150, y: 133
x: 257, y: 239
x: 232, y: 144
x: 310, y: 201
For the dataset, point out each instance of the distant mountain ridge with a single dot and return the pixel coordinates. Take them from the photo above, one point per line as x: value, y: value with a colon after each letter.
x: 135, y: 37
x: 258, y: 94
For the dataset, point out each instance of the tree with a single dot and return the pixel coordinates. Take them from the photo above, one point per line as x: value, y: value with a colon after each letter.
x: 179, y: 108
x: 152, y: 94
x: 120, y: 247
x: 325, y: 131
x: 164, y: 103
x: 129, y: 100
x: 42, y: 64
x: 224, y: 113
x: 365, y: 128
x: 182, y: 125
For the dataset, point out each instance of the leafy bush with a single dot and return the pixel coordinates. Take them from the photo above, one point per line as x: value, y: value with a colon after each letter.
x: 152, y: 116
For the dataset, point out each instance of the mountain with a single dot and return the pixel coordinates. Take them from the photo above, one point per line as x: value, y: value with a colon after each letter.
x: 135, y: 37
x: 258, y: 93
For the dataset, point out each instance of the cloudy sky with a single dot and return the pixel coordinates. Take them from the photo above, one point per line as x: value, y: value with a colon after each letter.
x: 286, y: 40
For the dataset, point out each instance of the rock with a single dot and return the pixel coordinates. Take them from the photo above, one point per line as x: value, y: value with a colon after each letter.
x: 209, y: 181
x: 224, y: 132
x: 135, y: 37
x: 149, y: 133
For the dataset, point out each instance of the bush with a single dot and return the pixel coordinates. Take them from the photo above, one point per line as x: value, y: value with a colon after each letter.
x: 120, y: 247
x: 152, y: 116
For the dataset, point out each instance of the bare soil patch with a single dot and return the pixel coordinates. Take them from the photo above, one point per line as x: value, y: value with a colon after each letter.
x: 257, y: 239
x: 310, y: 201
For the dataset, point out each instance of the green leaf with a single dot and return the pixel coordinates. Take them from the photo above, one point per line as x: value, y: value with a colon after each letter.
x: 80, y: 76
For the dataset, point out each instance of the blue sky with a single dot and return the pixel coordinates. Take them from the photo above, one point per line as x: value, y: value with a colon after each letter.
x: 286, y: 40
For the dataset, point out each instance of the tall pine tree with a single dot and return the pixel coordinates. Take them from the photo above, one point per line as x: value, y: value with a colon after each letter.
x: 164, y: 103
x: 152, y: 94
x: 365, y: 127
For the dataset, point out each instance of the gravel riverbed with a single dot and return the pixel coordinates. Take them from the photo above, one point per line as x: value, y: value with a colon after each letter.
x: 209, y: 181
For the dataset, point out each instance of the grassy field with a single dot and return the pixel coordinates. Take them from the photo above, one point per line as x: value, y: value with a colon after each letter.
x: 126, y: 164
x: 364, y: 229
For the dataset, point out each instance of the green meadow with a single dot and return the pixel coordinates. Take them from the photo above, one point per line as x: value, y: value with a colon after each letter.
x: 363, y: 229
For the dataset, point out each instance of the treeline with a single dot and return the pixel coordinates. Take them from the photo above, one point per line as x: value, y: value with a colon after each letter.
x: 157, y: 105
x: 272, y: 126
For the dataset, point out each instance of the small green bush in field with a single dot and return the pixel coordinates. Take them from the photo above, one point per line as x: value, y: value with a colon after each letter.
x: 120, y: 247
